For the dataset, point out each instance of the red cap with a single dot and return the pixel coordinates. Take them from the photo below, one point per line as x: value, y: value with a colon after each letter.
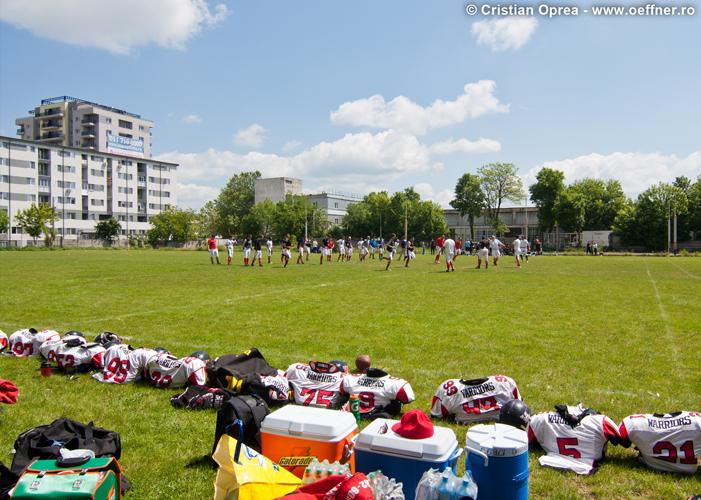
x: 414, y: 425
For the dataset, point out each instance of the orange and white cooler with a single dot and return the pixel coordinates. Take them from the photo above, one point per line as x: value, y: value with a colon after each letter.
x: 294, y: 436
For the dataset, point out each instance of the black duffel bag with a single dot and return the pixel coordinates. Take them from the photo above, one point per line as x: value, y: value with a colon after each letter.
x: 45, y: 441
x: 250, y: 410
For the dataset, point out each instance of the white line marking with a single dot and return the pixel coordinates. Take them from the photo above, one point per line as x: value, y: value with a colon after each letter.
x: 665, y: 319
x: 684, y: 271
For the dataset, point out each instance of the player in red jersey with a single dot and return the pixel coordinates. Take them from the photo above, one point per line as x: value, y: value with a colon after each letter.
x: 439, y: 248
x: 213, y: 250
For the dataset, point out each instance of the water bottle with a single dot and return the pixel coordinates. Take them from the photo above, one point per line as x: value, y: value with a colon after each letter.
x: 355, y: 407
x: 468, y: 488
x: 443, y: 488
x: 45, y: 369
x: 308, y: 475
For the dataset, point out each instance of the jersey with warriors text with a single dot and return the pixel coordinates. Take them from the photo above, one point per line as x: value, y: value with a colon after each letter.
x: 81, y: 358
x: 670, y: 442
x: 377, y: 389
x: 316, y: 384
x: 277, y: 386
x: 579, y: 448
x: 123, y: 365
x: 473, y: 400
x: 4, y: 341
x: 165, y: 370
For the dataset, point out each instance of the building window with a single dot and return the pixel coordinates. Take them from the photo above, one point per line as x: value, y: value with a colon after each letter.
x: 108, y: 120
x: 335, y: 221
x: 335, y: 205
x: 126, y: 190
x: 66, y: 184
x: 125, y: 124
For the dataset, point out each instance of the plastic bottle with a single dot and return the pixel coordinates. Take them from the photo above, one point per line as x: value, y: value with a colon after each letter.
x: 308, y: 476
x: 444, y: 488
x: 467, y: 488
x: 355, y: 407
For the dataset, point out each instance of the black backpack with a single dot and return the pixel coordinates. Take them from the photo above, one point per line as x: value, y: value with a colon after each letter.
x: 44, y: 442
x: 7, y: 481
x: 250, y: 410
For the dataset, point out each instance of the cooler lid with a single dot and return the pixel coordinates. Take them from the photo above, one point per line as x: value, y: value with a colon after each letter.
x: 379, y: 437
x: 315, y: 423
x: 497, y: 440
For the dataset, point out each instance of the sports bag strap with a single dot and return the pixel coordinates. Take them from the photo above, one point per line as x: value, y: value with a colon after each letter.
x: 239, y: 441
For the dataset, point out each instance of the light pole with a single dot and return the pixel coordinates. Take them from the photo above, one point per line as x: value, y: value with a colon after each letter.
x: 9, y: 200
x: 126, y: 180
x: 63, y: 191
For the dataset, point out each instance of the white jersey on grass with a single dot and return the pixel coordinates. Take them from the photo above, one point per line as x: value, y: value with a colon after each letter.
x: 28, y: 341
x: 123, y: 365
x: 277, y: 385
x: 473, y: 400
x: 165, y: 370
x: 494, y: 245
x: 449, y: 246
x: 71, y: 358
x: 517, y: 246
x: 316, y: 384
x: 579, y: 448
x: 377, y: 392
x: 669, y: 442
x: 4, y: 341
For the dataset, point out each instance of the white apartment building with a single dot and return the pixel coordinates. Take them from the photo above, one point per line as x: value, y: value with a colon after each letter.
x: 77, y: 123
x: 334, y: 204
x: 276, y: 188
x: 84, y: 186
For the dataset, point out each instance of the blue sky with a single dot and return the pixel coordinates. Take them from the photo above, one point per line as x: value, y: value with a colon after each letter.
x: 343, y: 94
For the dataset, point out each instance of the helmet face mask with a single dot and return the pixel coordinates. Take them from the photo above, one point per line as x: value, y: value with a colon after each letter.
x: 105, y: 338
x: 516, y: 414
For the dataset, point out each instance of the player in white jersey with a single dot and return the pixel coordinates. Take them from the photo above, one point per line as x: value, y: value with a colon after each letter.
x: 229, y: 244
x: 449, y: 250
x: 495, y: 245
x: 4, y: 341
x: 341, y: 250
x: 316, y: 384
x: 573, y: 437
x: 378, y: 392
x: 474, y: 400
x: 73, y: 354
x: 269, y: 248
x: 525, y: 248
x: 669, y: 442
x: 349, y: 249
x: 124, y: 364
x: 165, y: 370
x: 517, y: 251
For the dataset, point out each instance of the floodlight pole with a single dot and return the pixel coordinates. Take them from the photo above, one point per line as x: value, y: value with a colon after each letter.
x: 669, y: 227
x: 9, y: 199
x: 63, y: 192
x: 675, y: 232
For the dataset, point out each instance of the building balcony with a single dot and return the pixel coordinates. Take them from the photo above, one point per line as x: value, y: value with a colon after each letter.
x: 44, y: 189
x: 87, y: 133
x: 51, y: 125
x: 89, y: 121
x: 50, y: 113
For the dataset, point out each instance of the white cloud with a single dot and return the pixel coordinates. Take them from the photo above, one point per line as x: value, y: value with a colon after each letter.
x: 192, y: 120
x: 636, y: 171
x: 349, y: 163
x: 450, y: 146
x: 195, y: 195
x: 291, y: 146
x: 443, y: 197
x: 505, y: 33
x: 117, y: 27
x: 401, y: 113
x: 252, y: 136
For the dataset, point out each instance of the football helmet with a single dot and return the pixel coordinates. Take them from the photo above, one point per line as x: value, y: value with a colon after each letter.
x: 516, y: 414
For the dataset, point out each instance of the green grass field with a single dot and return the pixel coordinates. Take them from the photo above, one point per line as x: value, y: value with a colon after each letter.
x: 621, y: 334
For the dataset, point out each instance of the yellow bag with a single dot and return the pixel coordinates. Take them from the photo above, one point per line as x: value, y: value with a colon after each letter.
x: 245, y: 474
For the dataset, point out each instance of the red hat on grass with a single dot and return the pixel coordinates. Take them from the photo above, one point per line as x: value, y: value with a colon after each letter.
x: 414, y: 425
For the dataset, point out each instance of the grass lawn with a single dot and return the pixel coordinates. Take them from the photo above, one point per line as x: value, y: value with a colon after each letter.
x: 621, y: 334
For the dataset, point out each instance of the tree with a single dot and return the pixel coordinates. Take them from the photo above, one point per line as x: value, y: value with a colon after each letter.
x: 469, y: 199
x: 570, y: 208
x: 602, y: 201
x: 108, y: 230
x: 544, y: 193
x: 259, y: 221
x: 4, y: 221
x: 172, y: 224
x: 644, y: 223
x: 500, y: 181
x: 290, y: 217
x: 695, y: 208
x: 368, y: 216
x: 206, y: 220
x: 36, y: 220
x: 235, y: 202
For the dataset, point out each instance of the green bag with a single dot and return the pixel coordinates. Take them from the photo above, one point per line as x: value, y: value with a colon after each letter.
x: 98, y: 478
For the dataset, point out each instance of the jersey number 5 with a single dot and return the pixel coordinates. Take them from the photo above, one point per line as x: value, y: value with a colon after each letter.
x: 562, y: 447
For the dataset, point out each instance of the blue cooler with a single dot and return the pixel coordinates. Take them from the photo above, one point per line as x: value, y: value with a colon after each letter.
x: 379, y: 448
x: 497, y: 456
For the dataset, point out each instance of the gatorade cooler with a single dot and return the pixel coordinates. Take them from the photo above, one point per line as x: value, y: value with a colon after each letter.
x: 497, y: 456
x: 377, y: 447
x: 294, y: 436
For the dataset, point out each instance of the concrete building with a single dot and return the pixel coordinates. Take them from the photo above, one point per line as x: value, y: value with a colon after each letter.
x: 520, y: 220
x: 276, y: 188
x: 76, y: 123
x: 334, y: 204
x: 83, y: 186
